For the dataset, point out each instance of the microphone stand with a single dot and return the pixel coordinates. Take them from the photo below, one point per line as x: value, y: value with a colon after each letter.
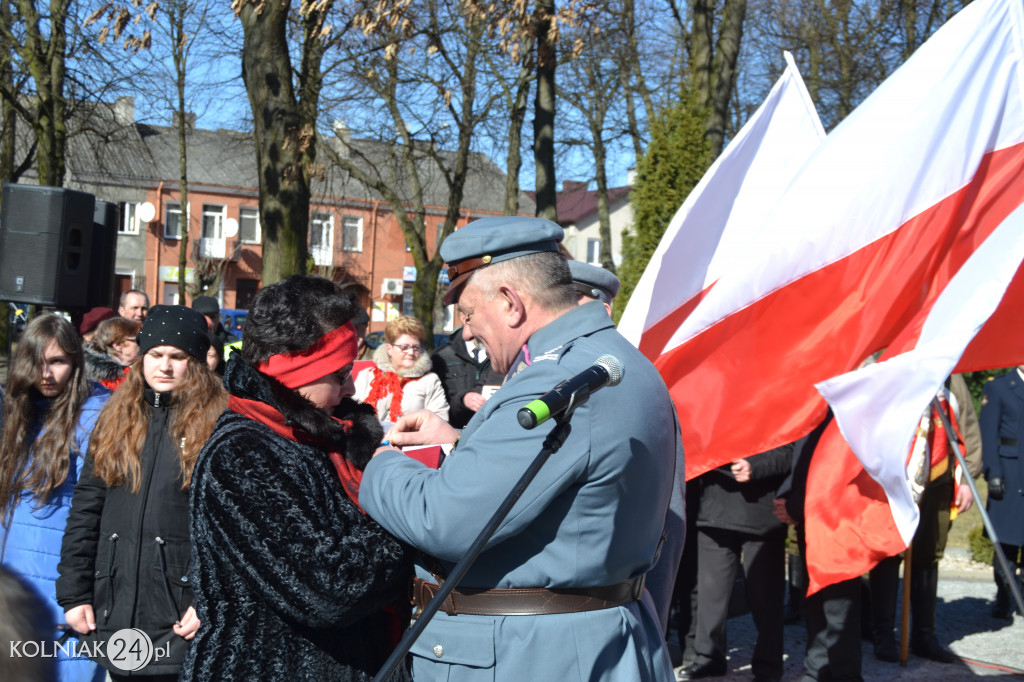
x: 552, y: 443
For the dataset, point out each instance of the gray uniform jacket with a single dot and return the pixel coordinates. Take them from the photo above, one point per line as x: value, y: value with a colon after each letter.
x: 593, y: 516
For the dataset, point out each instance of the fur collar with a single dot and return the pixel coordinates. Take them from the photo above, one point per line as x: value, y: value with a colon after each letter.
x: 244, y: 381
x: 422, y: 366
x: 102, y: 367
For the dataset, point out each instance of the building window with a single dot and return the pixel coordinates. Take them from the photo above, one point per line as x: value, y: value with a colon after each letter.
x: 249, y: 225
x: 321, y: 238
x: 129, y: 219
x: 351, y: 233
x: 212, y: 243
x: 213, y: 221
x: 245, y: 292
x: 172, y: 221
x: 594, y: 251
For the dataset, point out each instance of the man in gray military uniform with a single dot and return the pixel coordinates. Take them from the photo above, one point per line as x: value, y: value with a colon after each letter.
x: 576, y: 546
x: 594, y: 283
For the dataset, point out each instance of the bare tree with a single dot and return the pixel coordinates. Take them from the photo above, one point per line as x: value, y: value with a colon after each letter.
x: 713, y: 61
x: 845, y: 49
x: 37, y: 40
x: 592, y: 86
x: 421, y: 99
x: 284, y: 106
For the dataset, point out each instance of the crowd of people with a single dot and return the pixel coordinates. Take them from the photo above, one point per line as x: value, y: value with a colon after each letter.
x: 247, y: 504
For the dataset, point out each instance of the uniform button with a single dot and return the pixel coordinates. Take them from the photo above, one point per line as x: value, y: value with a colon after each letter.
x: 184, y: 578
x: 438, y: 650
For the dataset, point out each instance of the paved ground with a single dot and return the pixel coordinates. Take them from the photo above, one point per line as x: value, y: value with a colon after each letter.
x: 989, y: 648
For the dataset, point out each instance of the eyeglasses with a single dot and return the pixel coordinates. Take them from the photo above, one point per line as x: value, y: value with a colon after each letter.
x: 343, y: 375
x: 406, y: 348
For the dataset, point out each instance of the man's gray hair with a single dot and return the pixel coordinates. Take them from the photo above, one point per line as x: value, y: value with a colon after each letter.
x: 543, y: 276
x: 124, y: 296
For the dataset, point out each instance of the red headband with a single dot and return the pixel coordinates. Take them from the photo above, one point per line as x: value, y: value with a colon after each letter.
x: 331, y: 352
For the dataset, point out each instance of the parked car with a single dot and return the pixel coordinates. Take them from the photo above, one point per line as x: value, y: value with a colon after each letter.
x: 233, y: 320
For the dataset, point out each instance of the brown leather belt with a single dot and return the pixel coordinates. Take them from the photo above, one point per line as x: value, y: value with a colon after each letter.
x: 528, y: 601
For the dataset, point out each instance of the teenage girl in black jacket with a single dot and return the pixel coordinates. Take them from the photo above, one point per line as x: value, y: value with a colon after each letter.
x: 126, y: 551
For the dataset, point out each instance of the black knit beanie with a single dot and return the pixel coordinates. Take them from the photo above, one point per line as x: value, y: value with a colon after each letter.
x: 175, y: 325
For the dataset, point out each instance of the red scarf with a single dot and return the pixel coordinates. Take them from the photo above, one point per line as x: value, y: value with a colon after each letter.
x: 272, y: 418
x: 386, y: 384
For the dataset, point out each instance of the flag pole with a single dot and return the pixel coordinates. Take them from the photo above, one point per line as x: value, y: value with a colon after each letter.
x: 905, y: 611
x: 1001, y: 562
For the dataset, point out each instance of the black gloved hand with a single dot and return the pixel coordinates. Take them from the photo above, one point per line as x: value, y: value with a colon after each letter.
x: 996, y: 488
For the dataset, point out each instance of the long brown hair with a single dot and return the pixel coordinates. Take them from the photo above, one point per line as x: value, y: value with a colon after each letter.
x: 116, y: 444
x: 40, y: 466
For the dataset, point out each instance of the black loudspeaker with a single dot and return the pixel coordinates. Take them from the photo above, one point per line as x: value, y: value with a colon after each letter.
x: 46, y: 245
x: 106, y: 218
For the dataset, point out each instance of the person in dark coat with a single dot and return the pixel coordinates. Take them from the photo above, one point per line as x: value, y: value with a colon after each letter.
x: 210, y: 309
x: 467, y: 377
x: 1002, y: 442
x: 294, y: 581
x: 734, y: 521
x: 126, y: 552
x: 833, y: 613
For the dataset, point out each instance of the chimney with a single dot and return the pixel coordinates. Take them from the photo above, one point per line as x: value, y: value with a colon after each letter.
x: 190, y: 120
x: 343, y: 135
x: 630, y: 176
x: 124, y: 110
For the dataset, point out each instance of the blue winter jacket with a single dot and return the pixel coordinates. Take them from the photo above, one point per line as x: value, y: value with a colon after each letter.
x: 30, y: 547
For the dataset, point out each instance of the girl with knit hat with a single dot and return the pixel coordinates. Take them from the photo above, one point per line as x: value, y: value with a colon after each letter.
x: 126, y: 554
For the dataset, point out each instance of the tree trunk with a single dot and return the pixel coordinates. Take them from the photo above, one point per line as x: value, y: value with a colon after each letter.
x: 283, y: 140
x: 603, y: 214
x: 44, y: 58
x: 727, y: 52
x: 8, y: 123
x: 544, y: 111
x: 178, y: 45
x: 700, y: 50
x: 713, y: 70
x: 517, y: 116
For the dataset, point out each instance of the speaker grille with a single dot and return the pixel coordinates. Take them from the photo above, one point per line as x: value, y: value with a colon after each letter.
x: 45, y: 245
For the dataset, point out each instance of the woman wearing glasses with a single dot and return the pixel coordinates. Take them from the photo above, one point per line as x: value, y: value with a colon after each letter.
x: 402, y: 381
x: 115, y: 347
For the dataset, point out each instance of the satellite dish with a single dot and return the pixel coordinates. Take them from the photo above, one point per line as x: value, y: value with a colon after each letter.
x: 230, y: 228
x: 145, y: 212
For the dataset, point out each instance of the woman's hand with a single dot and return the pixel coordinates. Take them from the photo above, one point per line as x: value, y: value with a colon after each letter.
x: 188, y: 625
x: 81, y: 619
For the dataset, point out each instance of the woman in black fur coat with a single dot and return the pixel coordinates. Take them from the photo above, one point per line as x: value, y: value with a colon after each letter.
x: 293, y: 581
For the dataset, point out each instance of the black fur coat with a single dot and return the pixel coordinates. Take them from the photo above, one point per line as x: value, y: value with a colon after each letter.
x: 290, y: 576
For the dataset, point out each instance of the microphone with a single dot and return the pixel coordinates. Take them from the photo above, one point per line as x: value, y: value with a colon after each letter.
x: 571, y: 393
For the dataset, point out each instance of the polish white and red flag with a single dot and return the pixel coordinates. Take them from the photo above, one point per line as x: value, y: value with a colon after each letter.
x: 853, y: 521
x: 716, y: 221
x: 872, y: 229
